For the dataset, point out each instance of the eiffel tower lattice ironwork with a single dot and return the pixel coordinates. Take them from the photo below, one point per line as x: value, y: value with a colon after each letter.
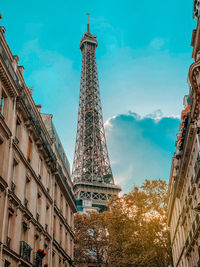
x: 92, y: 174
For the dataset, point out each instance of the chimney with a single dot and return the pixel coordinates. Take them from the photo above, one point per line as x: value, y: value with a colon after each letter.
x: 21, y: 69
x: 3, y: 29
x: 30, y: 90
x: 39, y: 108
x: 15, y: 62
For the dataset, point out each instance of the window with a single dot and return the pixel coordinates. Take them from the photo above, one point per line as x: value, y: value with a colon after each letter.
x: 38, y: 206
x: 55, y: 193
x: 9, y: 225
x: 7, y: 263
x: 13, y: 171
x: 54, y: 258
x: 26, y: 191
x: 47, y: 217
x: 71, y: 246
x: 17, y: 128
x: 2, y: 103
x: 13, y: 175
x: 66, y: 241
x: 40, y: 166
x: 60, y: 234
x: 66, y: 212
x: 72, y: 219
x: 61, y: 203
x: 29, y: 149
x: 54, y: 225
x: 48, y: 180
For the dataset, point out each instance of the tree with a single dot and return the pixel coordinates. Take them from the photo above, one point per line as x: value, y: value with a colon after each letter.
x: 91, y: 239
x: 132, y: 233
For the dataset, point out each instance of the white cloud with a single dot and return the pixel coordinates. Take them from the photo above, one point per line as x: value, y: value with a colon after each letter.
x: 140, y: 147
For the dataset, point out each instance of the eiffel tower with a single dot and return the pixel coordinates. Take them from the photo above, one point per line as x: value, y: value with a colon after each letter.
x: 91, y: 172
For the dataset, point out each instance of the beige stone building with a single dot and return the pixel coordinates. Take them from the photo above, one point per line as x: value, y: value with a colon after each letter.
x: 184, y: 185
x: 37, y: 204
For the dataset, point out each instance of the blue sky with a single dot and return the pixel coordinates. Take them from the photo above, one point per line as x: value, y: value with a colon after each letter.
x: 143, y: 58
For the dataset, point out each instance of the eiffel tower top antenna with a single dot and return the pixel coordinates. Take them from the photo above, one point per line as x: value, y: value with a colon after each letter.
x: 88, y: 24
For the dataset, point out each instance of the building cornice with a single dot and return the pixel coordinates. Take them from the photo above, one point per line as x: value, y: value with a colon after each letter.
x: 178, y: 184
x: 5, y: 76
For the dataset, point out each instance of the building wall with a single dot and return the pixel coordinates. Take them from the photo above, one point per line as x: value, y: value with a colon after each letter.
x: 36, y: 194
x: 184, y: 222
x: 184, y: 185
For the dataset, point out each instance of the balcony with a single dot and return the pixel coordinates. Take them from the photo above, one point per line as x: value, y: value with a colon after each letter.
x: 25, y: 225
x: 25, y: 251
x: 38, y: 257
x: 16, y: 141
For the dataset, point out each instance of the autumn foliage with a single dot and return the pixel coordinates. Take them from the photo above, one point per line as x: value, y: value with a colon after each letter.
x: 132, y: 233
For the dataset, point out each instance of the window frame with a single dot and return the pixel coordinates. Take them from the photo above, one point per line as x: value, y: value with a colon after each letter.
x: 3, y: 97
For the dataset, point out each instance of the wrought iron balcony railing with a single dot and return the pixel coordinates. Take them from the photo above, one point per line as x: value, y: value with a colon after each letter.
x: 25, y: 251
x: 37, y: 260
x: 16, y: 140
x: 38, y: 257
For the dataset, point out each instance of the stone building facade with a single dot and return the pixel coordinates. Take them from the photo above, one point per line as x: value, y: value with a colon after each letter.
x: 37, y: 204
x: 184, y: 185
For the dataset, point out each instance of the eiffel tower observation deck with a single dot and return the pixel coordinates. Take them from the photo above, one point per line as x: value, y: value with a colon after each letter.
x: 92, y: 175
